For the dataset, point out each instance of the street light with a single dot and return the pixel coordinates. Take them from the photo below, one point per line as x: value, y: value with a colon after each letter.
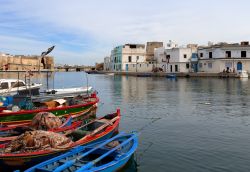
x: 137, y: 58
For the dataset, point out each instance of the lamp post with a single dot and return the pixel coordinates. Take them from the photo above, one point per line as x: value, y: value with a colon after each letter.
x: 137, y: 57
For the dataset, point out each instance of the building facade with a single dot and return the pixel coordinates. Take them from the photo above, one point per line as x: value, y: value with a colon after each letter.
x: 106, y: 64
x: 177, y: 59
x: 150, y: 49
x: 224, y: 57
x: 127, y: 57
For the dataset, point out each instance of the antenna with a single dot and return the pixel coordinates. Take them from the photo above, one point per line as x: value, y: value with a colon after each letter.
x: 87, y: 84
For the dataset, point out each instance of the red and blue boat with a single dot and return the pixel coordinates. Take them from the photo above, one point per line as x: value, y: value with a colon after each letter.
x: 97, y: 130
x: 8, y: 134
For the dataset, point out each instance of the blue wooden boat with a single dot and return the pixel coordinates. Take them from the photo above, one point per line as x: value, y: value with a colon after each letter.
x: 106, y: 156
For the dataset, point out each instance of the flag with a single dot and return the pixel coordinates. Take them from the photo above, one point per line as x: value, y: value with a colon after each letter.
x: 48, y: 51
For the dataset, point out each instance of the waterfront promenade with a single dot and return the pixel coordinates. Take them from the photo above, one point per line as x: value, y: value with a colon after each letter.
x: 164, y: 74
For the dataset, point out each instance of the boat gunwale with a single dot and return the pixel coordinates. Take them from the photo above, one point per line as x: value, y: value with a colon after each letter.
x: 3, y: 114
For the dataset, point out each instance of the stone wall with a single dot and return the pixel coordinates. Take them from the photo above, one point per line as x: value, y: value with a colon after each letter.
x: 24, y: 63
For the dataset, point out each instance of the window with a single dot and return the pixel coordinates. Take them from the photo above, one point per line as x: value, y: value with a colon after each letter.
x: 137, y: 58
x: 4, y: 85
x: 140, y: 65
x: 133, y: 65
x: 147, y: 65
x: 17, y: 84
x: 187, y: 65
x: 209, y: 65
x: 243, y: 54
x: 201, y: 54
x: 228, y: 64
x: 185, y: 56
x: 168, y: 57
x: 129, y: 59
x: 210, y: 55
x: 228, y: 54
x: 176, y: 68
x: 200, y: 65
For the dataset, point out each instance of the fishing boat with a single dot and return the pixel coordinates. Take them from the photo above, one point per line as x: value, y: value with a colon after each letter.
x: 22, y: 156
x: 43, y: 120
x: 26, y: 108
x: 17, y: 86
x: 107, y: 156
x: 75, y: 90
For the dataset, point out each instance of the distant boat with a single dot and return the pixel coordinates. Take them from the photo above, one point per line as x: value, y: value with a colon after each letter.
x: 110, y: 74
x: 241, y: 74
x: 75, y: 90
x: 92, y: 72
x: 14, y: 86
x: 107, y: 156
x: 143, y: 75
x: 171, y: 76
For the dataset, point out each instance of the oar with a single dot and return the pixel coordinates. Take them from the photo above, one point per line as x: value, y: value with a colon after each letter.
x: 104, y: 126
x: 69, y: 163
x: 92, y: 163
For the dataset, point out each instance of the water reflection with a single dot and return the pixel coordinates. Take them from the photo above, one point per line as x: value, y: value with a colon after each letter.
x: 191, y: 124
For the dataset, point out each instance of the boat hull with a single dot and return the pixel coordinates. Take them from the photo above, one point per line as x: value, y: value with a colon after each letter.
x: 20, y: 117
x: 11, y: 163
x: 90, y: 157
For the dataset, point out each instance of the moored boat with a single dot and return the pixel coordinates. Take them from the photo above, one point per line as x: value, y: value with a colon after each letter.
x: 171, y: 76
x: 77, y: 107
x: 23, y: 156
x: 43, y: 121
x: 75, y: 90
x: 108, y: 156
x: 241, y: 74
x: 17, y: 86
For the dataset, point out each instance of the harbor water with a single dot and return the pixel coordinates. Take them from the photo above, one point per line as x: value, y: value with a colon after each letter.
x: 184, y: 124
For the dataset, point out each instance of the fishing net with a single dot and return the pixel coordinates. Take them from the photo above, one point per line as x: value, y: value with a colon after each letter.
x: 45, y: 121
x: 32, y: 141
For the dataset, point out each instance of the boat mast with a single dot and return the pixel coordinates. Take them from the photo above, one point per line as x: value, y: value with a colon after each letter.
x: 87, y: 84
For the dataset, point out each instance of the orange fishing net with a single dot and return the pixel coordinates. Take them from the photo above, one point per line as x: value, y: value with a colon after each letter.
x: 45, y: 121
x: 38, y: 140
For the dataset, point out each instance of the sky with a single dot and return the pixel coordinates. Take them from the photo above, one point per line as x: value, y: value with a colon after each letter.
x: 85, y: 31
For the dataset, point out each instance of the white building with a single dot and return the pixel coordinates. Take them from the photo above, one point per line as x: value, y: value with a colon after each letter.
x: 177, y: 59
x: 106, y: 64
x: 224, y: 57
x: 129, y: 57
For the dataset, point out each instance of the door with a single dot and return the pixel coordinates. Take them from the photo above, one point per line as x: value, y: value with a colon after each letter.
x: 195, y: 67
x: 126, y: 67
x: 239, y: 66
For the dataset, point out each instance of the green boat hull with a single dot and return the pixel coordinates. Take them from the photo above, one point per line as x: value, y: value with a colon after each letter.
x: 27, y: 116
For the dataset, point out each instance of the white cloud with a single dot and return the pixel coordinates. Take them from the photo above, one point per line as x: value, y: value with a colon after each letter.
x: 110, y: 23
